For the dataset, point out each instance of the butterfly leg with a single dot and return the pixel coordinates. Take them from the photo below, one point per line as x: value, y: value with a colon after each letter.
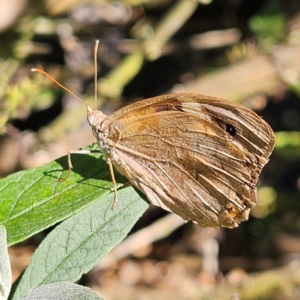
x: 111, y: 169
x: 70, y: 161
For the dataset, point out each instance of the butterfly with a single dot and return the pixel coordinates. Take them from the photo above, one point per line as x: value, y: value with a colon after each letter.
x: 197, y: 156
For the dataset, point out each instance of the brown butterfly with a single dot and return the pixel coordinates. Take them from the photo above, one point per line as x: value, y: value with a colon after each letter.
x: 194, y: 155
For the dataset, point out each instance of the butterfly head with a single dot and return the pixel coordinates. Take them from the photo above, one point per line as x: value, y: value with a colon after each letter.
x: 94, y: 117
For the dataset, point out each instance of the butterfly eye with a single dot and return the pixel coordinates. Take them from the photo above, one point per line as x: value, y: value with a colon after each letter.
x: 230, y: 129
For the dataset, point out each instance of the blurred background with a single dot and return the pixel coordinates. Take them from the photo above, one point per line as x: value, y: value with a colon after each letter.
x: 242, y: 50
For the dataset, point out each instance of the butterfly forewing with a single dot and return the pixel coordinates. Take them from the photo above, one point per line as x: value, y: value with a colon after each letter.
x: 194, y: 155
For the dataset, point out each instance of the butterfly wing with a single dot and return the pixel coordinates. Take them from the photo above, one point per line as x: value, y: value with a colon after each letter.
x: 194, y: 155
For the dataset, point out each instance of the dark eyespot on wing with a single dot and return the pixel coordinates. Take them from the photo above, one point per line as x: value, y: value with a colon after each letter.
x: 230, y: 129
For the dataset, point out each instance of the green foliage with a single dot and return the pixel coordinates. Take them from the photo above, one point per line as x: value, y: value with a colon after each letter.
x: 35, y: 199
x: 288, y: 144
x: 269, y: 28
x: 78, y: 243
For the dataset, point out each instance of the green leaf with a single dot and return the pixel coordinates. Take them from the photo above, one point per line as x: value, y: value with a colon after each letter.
x: 5, y: 269
x: 78, y: 243
x: 35, y: 199
x: 62, y: 290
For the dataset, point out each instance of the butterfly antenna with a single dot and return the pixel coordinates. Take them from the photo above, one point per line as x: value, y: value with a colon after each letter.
x: 59, y: 84
x: 96, y: 70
